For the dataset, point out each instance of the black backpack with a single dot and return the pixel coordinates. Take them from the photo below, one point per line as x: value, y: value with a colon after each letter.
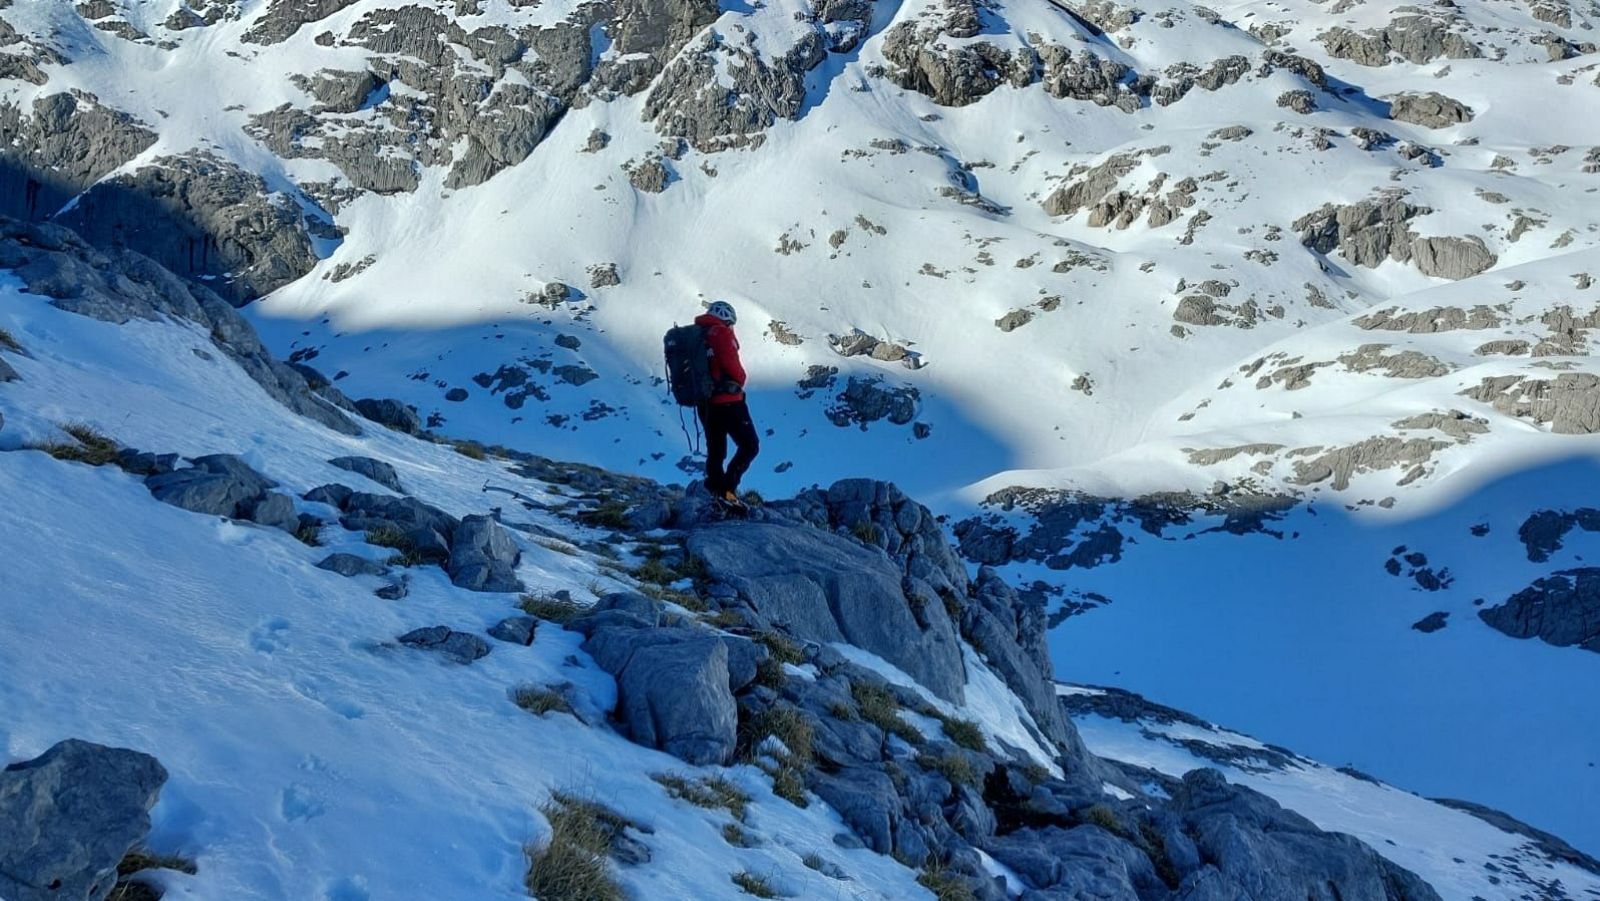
x: 688, y: 365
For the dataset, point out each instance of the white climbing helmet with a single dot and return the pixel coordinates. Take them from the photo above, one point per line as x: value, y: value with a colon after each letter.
x: 724, y: 311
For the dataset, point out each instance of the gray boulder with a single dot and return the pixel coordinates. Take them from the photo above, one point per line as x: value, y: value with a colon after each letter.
x: 483, y: 556
x: 1452, y: 257
x: 391, y: 414
x: 218, y: 484
x: 460, y: 647
x: 515, y: 630
x: 672, y: 689
x: 865, y: 799
x: 274, y: 510
x: 376, y: 470
x: 1430, y: 110
x: 823, y: 587
x: 68, y: 816
x: 349, y: 565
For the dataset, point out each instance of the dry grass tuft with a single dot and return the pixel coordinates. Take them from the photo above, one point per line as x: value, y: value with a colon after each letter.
x: 571, y: 866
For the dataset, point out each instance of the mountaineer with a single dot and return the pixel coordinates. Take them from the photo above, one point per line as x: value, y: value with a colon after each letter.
x: 704, y: 371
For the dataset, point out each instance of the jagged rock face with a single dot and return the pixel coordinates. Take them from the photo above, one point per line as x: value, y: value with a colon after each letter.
x: 68, y: 816
x: 690, y: 101
x: 1562, y: 609
x: 201, y: 217
x: 119, y: 286
x: 285, y: 17
x: 62, y: 145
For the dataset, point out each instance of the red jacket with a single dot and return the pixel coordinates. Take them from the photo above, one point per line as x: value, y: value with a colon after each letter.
x: 725, y: 365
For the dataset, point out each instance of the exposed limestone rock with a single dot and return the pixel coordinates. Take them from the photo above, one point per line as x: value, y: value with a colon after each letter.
x: 859, y: 343
x: 1091, y: 185
x: 284, y: 17
x: 1370, y: 231
x: 691, y: 99
x: 604, y: 275
x: 1569, y: 403
x: 1372, y: 455
x: 1459, y: 426
x: 1211, y: 456
x: 651, y: 176
x: 1508, y: 347
x: 202, y: 217
x: 1430, y: 110
x: 1406, y: 364
x: 66, y: 143
x: 1452, y: 258
x: 1014, y: 320
x: 1414, y: 38
x: 1366, y: 232
x: 1432, y: 320
x: 1300, y: 101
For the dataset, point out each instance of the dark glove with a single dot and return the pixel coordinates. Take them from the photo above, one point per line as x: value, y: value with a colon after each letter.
x: 729, y: 386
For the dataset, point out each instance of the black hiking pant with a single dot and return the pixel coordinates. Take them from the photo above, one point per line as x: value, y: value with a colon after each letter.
x: 721, y: 422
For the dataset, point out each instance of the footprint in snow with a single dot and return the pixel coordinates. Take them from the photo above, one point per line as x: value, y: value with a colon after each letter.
x: 301, y: 803
x: 268, y: 636
x: 348, y: 709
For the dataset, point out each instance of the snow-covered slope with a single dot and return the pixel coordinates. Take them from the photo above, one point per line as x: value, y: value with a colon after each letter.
x: 1332, y: 261
x: 1080, y: 219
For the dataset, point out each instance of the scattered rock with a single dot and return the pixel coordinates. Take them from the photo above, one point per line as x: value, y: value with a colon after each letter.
x: 349, y: 565
x: 483, y: 556
x: 460, y: 647
x: 515, y: 629
x: 376, y: 470
x: 69, y: 816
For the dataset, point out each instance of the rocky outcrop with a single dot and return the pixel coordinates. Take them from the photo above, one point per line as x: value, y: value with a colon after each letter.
x: 822, y: 587
x: 116, y: 286
x: 1376, y: 454
x: 1542, y: 532
x: 1414, y: 38
x: 723, y: 92
x: 1430, y: 110
x: 201, y: 217
x: 68, y: 817
x: 867, y: 399
x: 1562, y: 609
x: 1569, y: 403
x: 283, y: 18
x: 1369, y: 232
x: 58, y: 148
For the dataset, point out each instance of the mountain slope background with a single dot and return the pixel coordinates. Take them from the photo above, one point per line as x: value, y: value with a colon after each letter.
x: 1090, y: 277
